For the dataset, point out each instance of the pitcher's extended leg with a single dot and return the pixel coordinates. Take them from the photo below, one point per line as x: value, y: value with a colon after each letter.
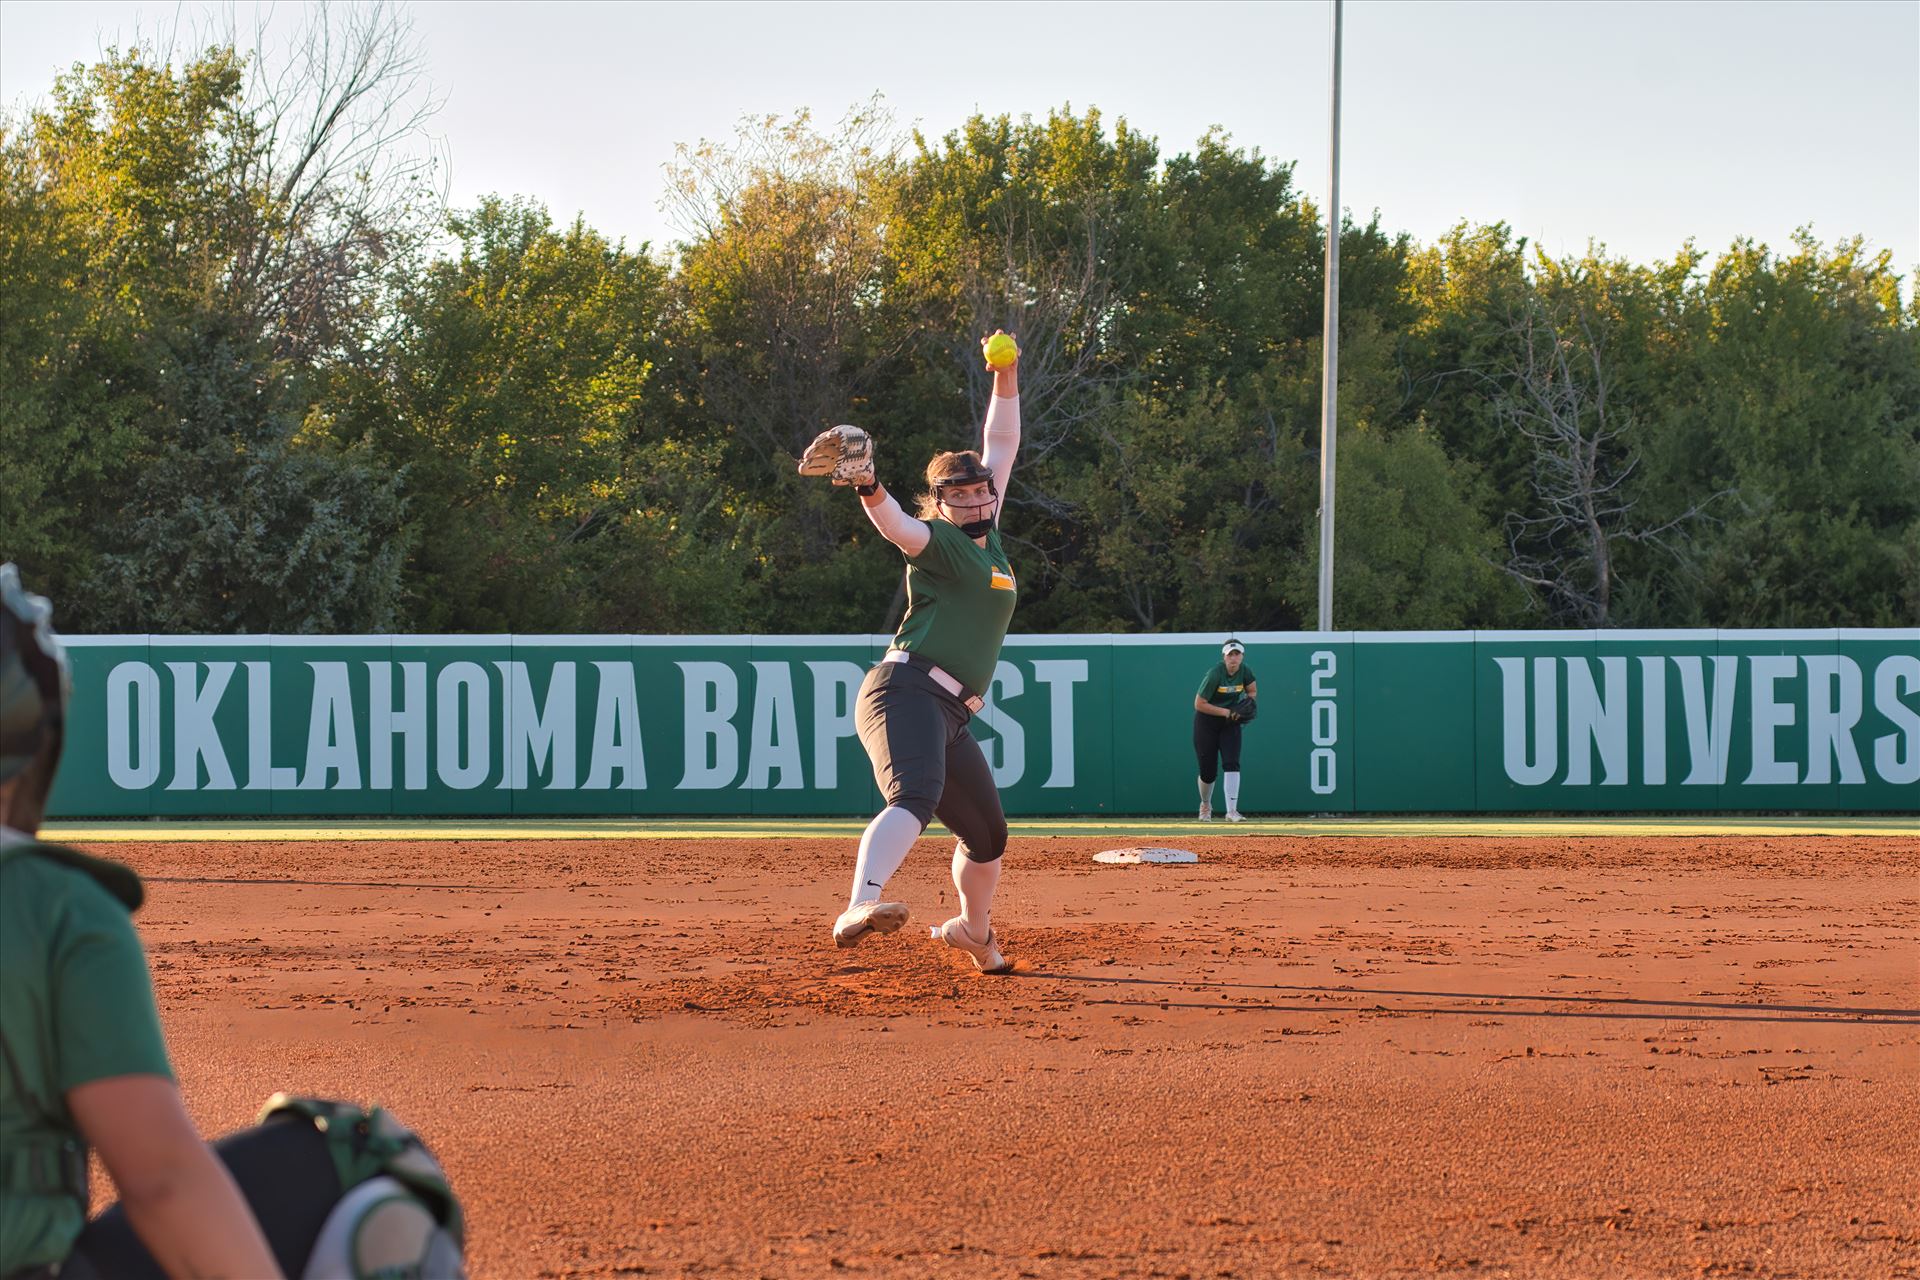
x: 903, y: 728
x: 883, y: 847
x: 975, y: 882
x: 971, y: 810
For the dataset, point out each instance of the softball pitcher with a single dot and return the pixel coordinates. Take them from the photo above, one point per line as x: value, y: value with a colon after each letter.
x: 1225, y: 701
x: 915, y: 705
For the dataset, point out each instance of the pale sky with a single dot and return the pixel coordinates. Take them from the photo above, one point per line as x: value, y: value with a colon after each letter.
x: 1634, y: 124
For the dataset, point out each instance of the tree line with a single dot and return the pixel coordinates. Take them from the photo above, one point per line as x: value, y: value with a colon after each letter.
x: 254, y: 376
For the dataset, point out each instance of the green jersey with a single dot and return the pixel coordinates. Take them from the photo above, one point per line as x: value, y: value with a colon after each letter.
x: 1223, y: 690
x: 960, y: 598
x: 76, y: 1006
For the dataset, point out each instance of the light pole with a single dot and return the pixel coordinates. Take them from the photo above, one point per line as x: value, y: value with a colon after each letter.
x: 1330, y: 349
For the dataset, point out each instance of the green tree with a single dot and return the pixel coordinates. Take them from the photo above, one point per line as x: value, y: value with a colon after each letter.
x: 1044, y: 228
x: 1187, y: 509
x: 544, y: 495
x: 65, y: 421
x: 235, y: 394
x: 1411, y: 549
x: 1467, y: 292
x: 1169, y: 313
x: 774, y: 330
x: 231, y: 525
x: 112, y: 200
x: 132, y: 219
x: 1807, y: 381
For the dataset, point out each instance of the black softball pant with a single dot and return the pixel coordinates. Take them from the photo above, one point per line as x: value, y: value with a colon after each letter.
x: 1215, y: 737
x: 285, y: 1171
x: 925, y: 761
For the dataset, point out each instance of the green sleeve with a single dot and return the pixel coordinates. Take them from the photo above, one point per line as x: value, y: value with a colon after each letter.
x: 937, y: 557
x: 1247, y: 676
x: 104, y: 1020
x: 1210, y: 683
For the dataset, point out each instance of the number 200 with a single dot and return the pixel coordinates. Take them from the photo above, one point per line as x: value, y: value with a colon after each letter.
x: 1326, y: 724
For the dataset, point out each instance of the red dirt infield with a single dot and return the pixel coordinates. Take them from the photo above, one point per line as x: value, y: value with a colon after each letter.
x: 1316, y: 1057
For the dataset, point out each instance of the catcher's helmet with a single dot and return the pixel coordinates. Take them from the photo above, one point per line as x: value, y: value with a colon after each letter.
x: 34, y: 682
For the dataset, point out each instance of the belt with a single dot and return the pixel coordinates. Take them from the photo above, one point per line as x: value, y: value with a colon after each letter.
x: 940, y: 676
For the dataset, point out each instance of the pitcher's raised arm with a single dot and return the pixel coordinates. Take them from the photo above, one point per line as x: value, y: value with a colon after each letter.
x: 1000, y: 438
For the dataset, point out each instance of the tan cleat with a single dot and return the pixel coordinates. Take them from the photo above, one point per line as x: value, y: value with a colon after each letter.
x: 1234, y: 815
x: 855, y: 923
x: 1206, y: 813
x: 986, y: 955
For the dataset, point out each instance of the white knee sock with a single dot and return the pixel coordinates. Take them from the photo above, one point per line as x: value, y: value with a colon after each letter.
x: 975, y: 882
x: 1206, y: 793
x: 1232, y: 781
x: 883, y: 848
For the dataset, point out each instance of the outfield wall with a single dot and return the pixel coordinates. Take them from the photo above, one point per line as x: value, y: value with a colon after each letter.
x: 1371, y: 722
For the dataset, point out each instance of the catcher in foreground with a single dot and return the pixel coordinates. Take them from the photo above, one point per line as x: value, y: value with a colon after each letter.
x: 316, y: 1189
x: 914, y: 706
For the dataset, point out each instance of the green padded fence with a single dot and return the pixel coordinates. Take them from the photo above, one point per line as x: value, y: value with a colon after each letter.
x: 1371, y: 722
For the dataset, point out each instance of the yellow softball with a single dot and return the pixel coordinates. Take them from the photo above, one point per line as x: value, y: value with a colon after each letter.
x: 1002, y: 350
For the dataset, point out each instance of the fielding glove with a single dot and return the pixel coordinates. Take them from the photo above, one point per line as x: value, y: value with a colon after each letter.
x: 844, y: 452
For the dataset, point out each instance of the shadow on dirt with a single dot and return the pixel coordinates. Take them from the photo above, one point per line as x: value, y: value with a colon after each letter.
x: 334, y: 884
x: 1728, y: 1012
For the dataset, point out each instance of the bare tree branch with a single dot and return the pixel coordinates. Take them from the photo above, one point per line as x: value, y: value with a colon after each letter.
x: 354, y: 182
x: 1556, y: 389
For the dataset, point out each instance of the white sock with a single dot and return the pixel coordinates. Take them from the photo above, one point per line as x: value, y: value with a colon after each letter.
x: 883, y: 847
x: 1232, y: 781
x: 975, y: 882
x: 1206, y: 793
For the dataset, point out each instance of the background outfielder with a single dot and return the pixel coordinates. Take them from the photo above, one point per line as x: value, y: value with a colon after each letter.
x: 1224, y: 702
x: 915, y: 705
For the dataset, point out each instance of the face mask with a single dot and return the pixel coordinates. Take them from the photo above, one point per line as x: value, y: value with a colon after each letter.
x: 982, y: 526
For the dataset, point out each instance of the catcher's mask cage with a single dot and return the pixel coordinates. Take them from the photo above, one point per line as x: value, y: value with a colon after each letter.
x: 34, y: 681
x: 984, y: 512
